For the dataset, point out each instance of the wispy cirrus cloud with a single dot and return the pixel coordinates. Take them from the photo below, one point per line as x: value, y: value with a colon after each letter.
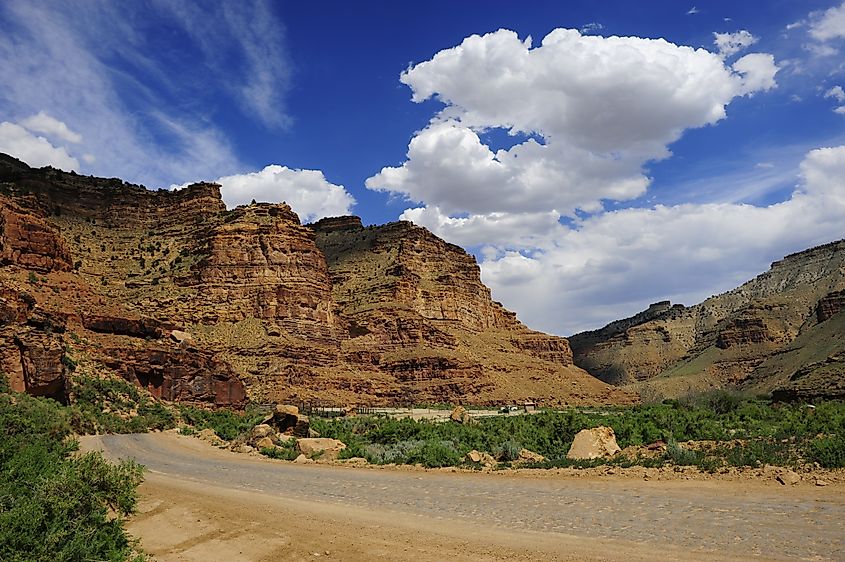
x: 138, y: 85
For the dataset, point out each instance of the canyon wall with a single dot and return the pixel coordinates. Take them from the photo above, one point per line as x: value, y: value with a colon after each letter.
x: 197, y: 303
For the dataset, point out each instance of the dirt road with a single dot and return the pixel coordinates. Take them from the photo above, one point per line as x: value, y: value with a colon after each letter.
x: 202, y: 503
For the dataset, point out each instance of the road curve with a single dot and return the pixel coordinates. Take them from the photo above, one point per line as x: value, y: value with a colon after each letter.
x: 705, y: 519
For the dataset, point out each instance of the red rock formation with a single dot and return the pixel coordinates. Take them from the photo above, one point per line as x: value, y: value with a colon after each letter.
x: 31, y: 348
x: 744, y: 330
x: 260, y: 263
x: 183, y: 375
x: 135, y: 327
x: 26, y: 240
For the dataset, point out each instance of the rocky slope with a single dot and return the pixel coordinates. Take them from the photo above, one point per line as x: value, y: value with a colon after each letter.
x: 172, y: 291
x: 781, y: 331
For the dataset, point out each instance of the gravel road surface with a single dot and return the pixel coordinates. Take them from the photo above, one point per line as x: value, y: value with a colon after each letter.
x: 565, y: 518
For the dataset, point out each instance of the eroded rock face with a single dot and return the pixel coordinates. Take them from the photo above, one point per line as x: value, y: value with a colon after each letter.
x: 260, y: 263
x: 415, y: 308
x: 743, y: 338
x: 31, y: 346
x: 743, y: 331
x: 28, y: 241
x: 830, y: 305
x: 183, y: 375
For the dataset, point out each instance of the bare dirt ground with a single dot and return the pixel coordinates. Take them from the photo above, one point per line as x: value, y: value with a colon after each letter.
x: 202, y: 503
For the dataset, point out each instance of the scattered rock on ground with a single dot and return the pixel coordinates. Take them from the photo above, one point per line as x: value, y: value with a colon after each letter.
x: 181, y: 337
x: 598, y: 442
x: 477, y: 457
x: 242, y: 448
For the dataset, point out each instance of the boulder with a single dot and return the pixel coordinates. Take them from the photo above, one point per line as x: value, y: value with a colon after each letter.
x: 322, y: 447
x: 302, y: 459
x: 285, y: 410
x: 460, y: 415
x: 242, y: 448
x: 530, y: 456
x: 209, y: 435
x: 287, y: 419
x: 260, y: 431
x: 264, y: 443
x: 788, y: 477
x: 599, y: 442
x: 477, y: 457
x: 181, y: 337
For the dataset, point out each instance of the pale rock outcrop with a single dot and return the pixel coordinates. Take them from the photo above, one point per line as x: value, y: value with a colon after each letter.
x: 598, y: 442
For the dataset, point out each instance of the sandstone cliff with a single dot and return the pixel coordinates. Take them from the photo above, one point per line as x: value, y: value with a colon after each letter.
x: 757, y: 336
x: 273, y: 310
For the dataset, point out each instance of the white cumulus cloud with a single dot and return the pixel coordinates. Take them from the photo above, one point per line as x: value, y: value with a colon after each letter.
x: 586, y: 113
x: 829, y: 24
x: 836, y: 93
x: 42, y: 122
x: 729, y: 44
x: 308, y: 192
x: 34, y: 150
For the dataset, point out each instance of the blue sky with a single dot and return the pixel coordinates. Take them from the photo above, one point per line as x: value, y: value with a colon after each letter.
x: 591, y: 171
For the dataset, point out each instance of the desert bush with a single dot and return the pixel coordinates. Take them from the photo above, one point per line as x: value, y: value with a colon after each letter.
x: 286, y: 451
x: 434, y: 454
x: 829, y: 452
x: 53, y: 505
x: 759, y: 452
x: 113, y: 405
x: 714, y: 416
x: 682, y: 456
x: 228, y: 424
x: 508, y: 451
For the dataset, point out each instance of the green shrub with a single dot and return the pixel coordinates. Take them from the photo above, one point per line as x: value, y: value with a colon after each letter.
x: 113, y: 405
x: 759, y: 452
x: 682, y: 456
x: 829, y: 452
x: 434, y: 454
x: 53, y: 505
x: 227, y: 424
x: 508, y: 451
x: 283, y: 453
